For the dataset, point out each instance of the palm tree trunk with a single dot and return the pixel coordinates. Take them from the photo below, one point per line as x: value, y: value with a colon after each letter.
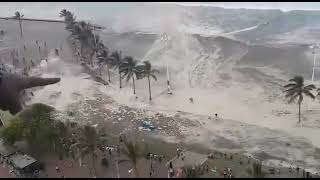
x: 94, y: 165
x: 91, y: 60
x: 80, y: 159
x: 100, y: 69
x: 149, y: 87
x: 108, y: 73
x: 20, y: 28
x: 81, y: 49
x: 134, y: 86
x: 117, y: 165
x: 135, y: 171
x: 299, y: 111
x: 120, y: 78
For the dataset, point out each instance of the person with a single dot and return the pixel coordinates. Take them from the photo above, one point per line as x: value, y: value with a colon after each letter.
x: 45, y: 44
x: 32, y: 63
x: 224, y: 173
x: 297, y: 169
x: 216, y: 114
x: 57, y: 52
x: 231, y: 157
x: 37, y: 42
x: 191, y: 100
x: 240, y: 161
x: 39, y: 48
x: 303, y: 172
x: 57, y: 169
x: 2, y: 32
x: 109, y: 151
x: 46, y: 59
x: 290, y: 169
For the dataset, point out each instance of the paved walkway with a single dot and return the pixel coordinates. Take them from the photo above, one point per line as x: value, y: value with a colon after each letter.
x: 5, y: 172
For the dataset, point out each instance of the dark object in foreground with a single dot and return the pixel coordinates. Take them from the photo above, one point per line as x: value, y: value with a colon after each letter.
x: 12, y: 85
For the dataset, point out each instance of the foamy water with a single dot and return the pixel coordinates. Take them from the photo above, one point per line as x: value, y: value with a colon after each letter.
x: 243, y: 103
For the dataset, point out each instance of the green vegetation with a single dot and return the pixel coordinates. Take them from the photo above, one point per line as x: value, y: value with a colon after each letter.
x: 133, y: 153
x: 192, y: 172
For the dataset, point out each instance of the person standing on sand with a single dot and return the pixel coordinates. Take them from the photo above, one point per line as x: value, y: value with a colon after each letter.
x: 216, y: 114
x: 57, y: 52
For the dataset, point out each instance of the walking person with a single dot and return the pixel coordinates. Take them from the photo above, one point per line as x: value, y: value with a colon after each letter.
x: 224, y: 173
x: 109, y: 149
x: 290, y: 169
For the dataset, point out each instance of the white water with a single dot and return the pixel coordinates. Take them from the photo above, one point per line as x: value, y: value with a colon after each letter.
x: 242, y: 103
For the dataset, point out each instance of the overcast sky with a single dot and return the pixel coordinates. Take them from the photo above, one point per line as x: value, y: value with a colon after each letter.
x: 105, y: 10
x: 285, y: 6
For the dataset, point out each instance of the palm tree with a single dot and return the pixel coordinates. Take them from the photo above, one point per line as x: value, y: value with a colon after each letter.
x: 82, y: 32
x: 101, y: 56
x: 18, y: 16
x: 117, y: 62
x: 95, y: 45
x: 130, y: 68
x: 88, y: 143
x: 69, y: 18
x: 132, y: 151
x: 148, y: 71
x: 104, y: 59
x: 297, y: 89
x: 192, y: 172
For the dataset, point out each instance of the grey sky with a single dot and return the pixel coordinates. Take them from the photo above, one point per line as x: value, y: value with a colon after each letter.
x: 105, y: 11
x: 49, y: 9
x: 285, y: 6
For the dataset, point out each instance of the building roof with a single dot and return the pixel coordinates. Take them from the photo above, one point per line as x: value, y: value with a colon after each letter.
x: 6, y: 150
x: 21, y: 161
x: 190, y: 159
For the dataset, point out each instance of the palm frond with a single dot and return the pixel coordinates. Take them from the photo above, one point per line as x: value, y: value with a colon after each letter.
x: 309, y: 94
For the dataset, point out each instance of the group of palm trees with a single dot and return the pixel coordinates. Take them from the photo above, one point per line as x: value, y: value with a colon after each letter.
x: 296, y: 89
x: 91, y: 44
x: 80, y: 142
